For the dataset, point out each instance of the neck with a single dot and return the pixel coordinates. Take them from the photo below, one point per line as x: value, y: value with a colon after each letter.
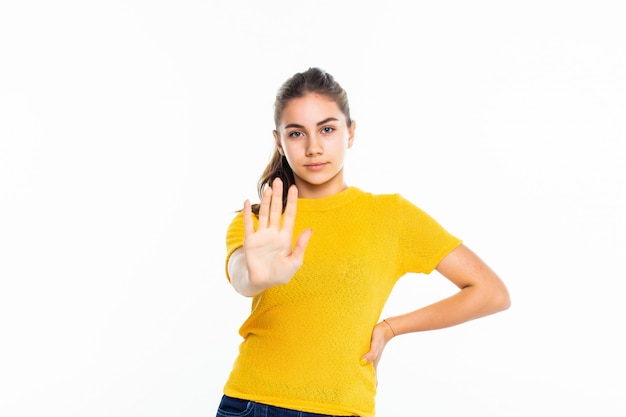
x: 308, y: 190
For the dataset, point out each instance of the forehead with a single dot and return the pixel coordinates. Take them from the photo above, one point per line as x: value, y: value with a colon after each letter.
x: 310, y: 109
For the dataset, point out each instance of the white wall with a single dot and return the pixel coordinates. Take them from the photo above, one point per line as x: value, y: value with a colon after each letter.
x: 130, y: 131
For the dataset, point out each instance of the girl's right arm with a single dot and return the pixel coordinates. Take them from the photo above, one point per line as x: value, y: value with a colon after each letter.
x: 267, y: 257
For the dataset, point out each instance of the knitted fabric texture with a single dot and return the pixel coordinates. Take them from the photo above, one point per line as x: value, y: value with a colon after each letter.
x: 303, y: 340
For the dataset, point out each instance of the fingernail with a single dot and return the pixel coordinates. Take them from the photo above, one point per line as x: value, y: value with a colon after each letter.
x: 363, y: 361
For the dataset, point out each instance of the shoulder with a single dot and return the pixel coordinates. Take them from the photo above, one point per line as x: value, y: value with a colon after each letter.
x: 385, y: 199
x: 396, y: 206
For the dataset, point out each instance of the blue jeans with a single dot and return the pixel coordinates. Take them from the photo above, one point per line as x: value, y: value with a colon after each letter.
x: 234, y: 407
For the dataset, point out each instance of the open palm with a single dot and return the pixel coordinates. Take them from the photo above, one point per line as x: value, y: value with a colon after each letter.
x: 270, y: 257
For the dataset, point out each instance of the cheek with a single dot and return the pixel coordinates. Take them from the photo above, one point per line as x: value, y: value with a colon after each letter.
x: 290, y: 154
x: 343, y: 146
x: 293, y: 148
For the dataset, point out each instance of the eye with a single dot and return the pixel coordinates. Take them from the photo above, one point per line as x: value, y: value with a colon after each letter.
x: 328, y: 129
x: 295, y: 134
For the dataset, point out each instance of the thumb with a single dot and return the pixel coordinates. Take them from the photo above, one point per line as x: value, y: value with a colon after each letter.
x: 377, y: 345
x: 301, y: 243
x: 369, y: 357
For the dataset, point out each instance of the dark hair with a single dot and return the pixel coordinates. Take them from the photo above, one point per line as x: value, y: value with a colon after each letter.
x: 313, y: 80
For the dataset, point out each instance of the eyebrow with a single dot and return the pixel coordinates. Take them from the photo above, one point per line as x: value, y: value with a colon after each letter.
x: 323, y: 122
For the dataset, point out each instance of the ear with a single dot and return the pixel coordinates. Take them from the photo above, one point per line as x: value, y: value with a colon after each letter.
x: 351, y: 134
x: 279, y: 147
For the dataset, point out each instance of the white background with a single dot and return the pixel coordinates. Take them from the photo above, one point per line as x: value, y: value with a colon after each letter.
x: 130, y: 132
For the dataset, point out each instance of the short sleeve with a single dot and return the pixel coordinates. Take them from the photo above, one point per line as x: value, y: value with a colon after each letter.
x: 234, y: 238
x: 423, y: 241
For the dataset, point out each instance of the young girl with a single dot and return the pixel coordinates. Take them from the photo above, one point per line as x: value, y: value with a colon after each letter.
x: 320, y: 259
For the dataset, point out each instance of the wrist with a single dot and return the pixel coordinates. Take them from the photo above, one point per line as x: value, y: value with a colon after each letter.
x: 390, y: 328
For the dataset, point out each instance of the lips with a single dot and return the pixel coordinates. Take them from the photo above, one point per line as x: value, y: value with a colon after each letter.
x: 316, y: 166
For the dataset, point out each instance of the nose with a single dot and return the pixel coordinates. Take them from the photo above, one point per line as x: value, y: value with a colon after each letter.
x: 314, y: 146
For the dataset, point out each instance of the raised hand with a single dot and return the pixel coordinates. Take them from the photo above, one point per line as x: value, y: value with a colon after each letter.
x: 270, y: 258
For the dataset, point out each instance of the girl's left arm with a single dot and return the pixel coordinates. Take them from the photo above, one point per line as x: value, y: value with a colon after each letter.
x: 481, y: 293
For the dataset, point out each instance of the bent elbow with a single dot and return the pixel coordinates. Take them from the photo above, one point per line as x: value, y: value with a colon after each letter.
x: 502, y: 301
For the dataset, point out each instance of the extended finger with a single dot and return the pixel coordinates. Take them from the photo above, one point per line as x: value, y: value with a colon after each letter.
x: 264, y: 207
x: 300, y: 246
x: 276, y: 207
x: 291, y: 208
x: 248, y: 223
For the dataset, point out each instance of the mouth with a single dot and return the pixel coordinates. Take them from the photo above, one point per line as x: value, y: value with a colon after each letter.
x: 316, y: 166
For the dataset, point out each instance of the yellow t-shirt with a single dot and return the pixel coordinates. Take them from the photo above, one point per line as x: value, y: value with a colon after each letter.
x: 303, y: 340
